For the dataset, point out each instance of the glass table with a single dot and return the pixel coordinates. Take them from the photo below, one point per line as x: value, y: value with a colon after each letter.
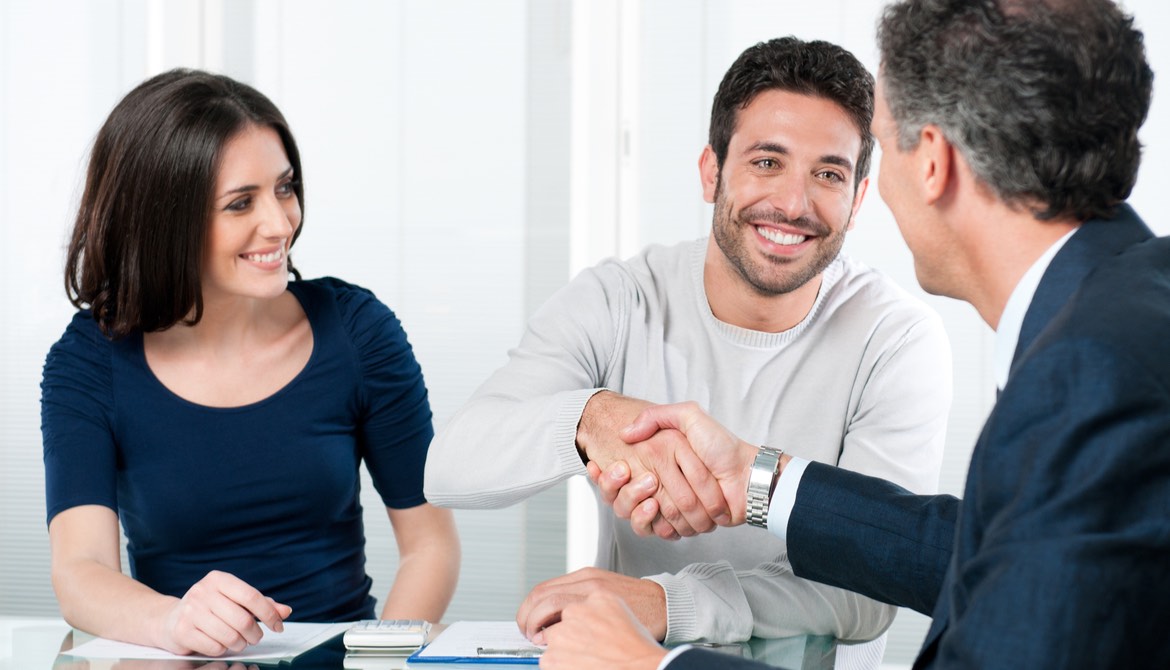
x: 43, y: 643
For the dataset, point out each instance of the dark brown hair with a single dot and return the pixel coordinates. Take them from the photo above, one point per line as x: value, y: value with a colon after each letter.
x: 137, y: 245
x: 814, y: 68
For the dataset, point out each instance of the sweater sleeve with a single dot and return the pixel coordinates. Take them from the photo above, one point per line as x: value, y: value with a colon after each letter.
x: 896, y: 433
x: 713, y: 602
x: 517, y: 434
x: 77, y: 420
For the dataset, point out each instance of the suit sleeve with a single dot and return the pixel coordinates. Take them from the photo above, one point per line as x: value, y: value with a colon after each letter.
x: 517, y: 435
x: 897, y: 434
x: 871, y: 536
x: 1066, y: 564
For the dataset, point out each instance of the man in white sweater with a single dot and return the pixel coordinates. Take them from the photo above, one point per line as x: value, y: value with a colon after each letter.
x: 765, y: 324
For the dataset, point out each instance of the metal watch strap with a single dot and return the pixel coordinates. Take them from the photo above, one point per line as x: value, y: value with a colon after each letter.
x: 761, y: 480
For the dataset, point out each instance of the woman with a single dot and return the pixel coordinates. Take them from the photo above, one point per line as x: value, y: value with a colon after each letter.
x: 216, y: 408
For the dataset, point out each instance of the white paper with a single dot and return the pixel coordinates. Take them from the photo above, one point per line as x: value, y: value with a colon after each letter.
x: 463, y: 639
x: 296, y: 639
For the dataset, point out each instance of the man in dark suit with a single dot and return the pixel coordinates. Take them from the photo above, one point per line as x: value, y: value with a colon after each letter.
x: 1009, y: 145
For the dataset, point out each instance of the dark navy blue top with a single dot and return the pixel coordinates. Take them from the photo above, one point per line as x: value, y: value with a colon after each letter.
x: 267, y: 491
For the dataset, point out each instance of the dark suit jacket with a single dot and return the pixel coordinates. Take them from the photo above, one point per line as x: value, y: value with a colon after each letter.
x: 1059, y: 554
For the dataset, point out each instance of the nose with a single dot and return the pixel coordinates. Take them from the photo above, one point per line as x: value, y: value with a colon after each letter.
x: 275, y: 220
x: 789, y: 196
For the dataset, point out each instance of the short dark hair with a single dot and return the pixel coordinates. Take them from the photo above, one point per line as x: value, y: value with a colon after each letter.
x: 814, y: 68
x: 137, y: 247
x: 1043, y: 99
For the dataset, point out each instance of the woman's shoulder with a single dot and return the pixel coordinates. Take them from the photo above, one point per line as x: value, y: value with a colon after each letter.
x: 83, y: 351
x: 332, y: 289
x: 359, y: 310
x: 83, y: 336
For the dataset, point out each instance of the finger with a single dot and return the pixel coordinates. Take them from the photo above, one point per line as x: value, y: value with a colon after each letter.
x: 629, y: 496
x: 664, y: 529
x: 705, y: 486
x: 643, y: 516
x: 669, y: 511
x: 203, y: 644
x: 643, y: 427
x: 526, y: 606
x: 538, y: 593
x: 681, y: 505
x: 283, y: 611
x: 593, y: 471
x: 238, y: 620
x: 655, y: 418
x: 546, y: 613
x: 235, y: 635
x: 617, y: 477
x: 257, y: 606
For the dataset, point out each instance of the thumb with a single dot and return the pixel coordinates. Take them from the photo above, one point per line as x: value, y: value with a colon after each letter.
x: 644, y: 426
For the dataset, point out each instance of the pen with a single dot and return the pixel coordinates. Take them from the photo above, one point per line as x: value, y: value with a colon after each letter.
x: 521, y: 652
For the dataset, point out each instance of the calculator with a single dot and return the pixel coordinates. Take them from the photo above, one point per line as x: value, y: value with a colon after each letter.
x: 386, y: 635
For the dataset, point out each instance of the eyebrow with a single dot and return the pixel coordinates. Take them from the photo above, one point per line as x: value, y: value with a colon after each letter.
x: 831, y: 159
x: 253, y: 187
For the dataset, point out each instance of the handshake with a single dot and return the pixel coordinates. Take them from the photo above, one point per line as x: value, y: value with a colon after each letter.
x: 672, y: 470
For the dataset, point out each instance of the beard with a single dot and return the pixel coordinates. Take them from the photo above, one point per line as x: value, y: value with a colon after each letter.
x: 774, y: 275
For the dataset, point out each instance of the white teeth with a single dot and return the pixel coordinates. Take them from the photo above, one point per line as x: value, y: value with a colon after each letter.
x: 780, y: 238
x: 266, y: 258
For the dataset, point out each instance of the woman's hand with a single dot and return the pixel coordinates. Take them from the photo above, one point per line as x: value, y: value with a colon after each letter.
x: 220, y: 613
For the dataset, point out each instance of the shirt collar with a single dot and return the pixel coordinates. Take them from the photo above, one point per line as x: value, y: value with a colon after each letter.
x: 1007, y: 335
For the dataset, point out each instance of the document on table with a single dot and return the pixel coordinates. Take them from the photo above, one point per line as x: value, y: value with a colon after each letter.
x: 479, y: 641
x: 296, y: 639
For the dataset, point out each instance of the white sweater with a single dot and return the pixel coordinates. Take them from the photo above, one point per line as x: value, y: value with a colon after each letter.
x: 864, y: 382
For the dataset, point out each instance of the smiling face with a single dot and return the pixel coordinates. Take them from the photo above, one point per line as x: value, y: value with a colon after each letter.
x: 255, y: 212
x: 785, y: 194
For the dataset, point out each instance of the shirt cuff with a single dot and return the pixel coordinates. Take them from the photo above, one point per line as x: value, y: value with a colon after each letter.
x: 670, y: 657
x: 784, y: 497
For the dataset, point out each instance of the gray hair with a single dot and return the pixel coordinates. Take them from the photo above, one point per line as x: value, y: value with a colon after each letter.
x: 1044, y: 99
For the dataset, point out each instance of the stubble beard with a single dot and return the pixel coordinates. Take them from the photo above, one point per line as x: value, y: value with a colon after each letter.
x: 779, y: 275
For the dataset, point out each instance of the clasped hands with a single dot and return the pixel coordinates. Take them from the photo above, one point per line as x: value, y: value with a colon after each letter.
x: 674, y: 472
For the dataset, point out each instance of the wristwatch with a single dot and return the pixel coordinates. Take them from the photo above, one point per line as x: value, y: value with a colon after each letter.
x: 761, y: 483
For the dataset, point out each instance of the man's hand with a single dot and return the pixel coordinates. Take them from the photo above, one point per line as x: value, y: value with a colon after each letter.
x: 685, y: 491
x: 723, y: 455
x: 545, y: 605
x: 220, y: 614
x: 600, y: 632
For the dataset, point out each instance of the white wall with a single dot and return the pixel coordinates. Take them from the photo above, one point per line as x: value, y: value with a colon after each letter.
x: 462, y: 159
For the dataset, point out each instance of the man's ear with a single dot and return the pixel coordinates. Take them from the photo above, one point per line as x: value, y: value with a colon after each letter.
x: 935, y: 162
x: 858, y: 196
x: 709, y: 173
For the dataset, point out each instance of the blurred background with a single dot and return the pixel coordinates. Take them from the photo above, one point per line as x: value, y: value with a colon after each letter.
x: 463, y: 159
